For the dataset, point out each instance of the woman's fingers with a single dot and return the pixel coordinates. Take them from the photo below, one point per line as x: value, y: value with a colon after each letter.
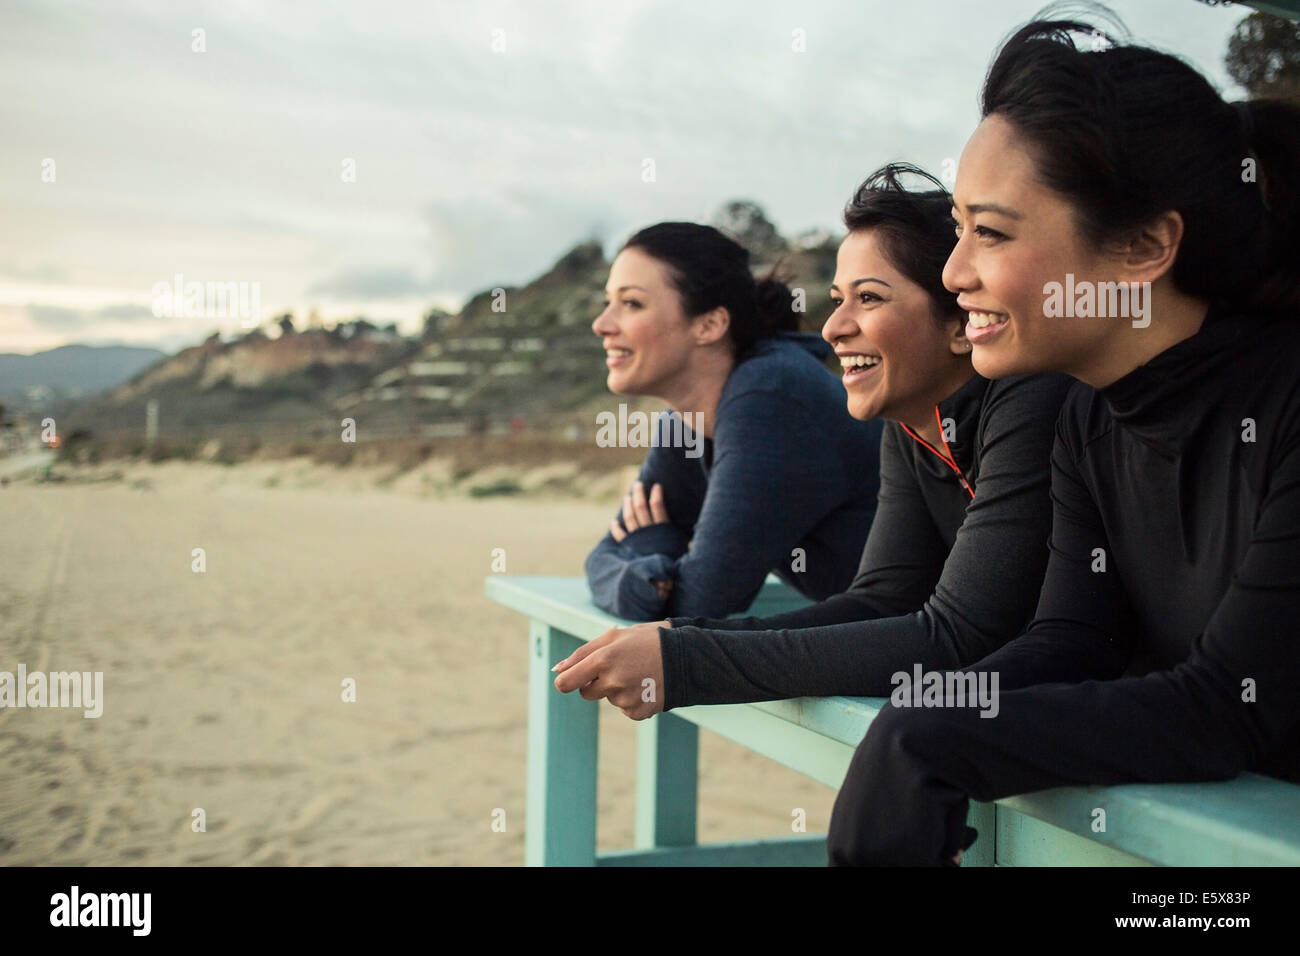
x: 578, y: 675
x: 589, y: 648
x: 641, y: 506
x: 640, y: 512
x: 658, y: 510
x: 629, y: 513
x: 629, y: 673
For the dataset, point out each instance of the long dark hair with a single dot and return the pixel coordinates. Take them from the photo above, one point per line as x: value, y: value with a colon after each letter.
x: 1128, y: 132
x: 709, y: 270
x: 914, y: 228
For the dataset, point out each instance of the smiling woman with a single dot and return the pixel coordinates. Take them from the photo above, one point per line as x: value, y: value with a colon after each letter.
x: 1163, y: 648
x: 787, y: 479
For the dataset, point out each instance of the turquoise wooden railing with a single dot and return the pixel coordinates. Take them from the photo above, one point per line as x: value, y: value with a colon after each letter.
x: 1251, y: 820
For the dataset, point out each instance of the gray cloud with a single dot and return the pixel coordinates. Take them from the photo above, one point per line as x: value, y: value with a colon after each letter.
x: 127, y: 312
x: 377, y: 283
x: 62, y: 319
x: 509, y: 237
x: 57, y: 318
x: 45, y: 272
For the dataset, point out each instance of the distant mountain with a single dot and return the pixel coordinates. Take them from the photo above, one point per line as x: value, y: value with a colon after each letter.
x: 73, y: 371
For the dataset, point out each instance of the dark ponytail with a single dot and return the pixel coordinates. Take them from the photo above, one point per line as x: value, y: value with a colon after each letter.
x: 773, y: 308
x: 1271, y: 130
x: 710, y: 270
x: 1127, y: 133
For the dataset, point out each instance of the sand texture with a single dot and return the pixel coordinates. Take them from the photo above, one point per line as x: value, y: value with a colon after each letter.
x: 222, y: 689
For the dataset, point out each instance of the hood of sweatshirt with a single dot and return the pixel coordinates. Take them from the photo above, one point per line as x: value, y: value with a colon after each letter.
x: 811, y: 342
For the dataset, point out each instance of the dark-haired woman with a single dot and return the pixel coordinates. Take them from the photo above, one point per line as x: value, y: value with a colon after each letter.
x: 954, y: 560
x: 1164, y: 647
x: 757, y: 468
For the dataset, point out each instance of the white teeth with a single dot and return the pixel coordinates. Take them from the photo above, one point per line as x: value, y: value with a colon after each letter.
x: 858, y: 361
x: 982, y: 320
x: 618, y: 352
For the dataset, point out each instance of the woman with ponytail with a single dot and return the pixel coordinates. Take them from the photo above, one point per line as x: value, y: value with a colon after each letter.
x: 1119, y: 222
x: 757, y: 467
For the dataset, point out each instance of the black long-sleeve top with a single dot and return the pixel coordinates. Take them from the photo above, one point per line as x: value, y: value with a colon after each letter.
x: 950, y: 570
x: 1184, y: 652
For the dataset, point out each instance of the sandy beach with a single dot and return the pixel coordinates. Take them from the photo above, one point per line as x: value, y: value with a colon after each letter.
x: 222, y: 689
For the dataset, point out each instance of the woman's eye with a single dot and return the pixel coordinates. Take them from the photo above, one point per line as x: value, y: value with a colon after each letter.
x: 837, y: 302
x: 632, y: 303
x: 867, y: 297
x: 984, y: 232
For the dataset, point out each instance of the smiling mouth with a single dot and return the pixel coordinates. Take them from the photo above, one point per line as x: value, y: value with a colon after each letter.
x: 616, y: 357
x: 858, y: 367
x: 982, y: 326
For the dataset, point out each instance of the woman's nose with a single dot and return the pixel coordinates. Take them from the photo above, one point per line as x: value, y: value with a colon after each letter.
x: 838, y: 325
x: 958, y: 275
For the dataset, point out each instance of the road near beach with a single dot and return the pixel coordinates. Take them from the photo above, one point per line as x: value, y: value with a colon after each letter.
x: 223, y: 673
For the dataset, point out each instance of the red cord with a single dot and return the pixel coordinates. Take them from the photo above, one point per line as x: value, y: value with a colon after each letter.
x: 946, y: 455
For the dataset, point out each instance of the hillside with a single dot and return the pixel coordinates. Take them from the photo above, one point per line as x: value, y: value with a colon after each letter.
x: 537, y: 363
x: 253, y: 385
x: 521, y: 358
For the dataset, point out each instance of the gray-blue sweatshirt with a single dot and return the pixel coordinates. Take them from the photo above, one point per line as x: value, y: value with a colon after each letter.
x: 787, y: 484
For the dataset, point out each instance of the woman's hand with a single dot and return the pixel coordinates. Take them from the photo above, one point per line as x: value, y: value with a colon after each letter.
x: 638, y: 512
x: 623, y: 665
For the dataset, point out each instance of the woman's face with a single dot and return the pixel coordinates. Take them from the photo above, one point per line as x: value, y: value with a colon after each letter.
x: 1015, y: 236
x: 898, y: 361
x: 646, y: 334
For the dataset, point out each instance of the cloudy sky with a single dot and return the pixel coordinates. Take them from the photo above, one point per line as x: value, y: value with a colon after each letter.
x: 379, y: 157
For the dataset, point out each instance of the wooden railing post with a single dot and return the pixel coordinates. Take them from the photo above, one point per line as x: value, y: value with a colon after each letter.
x: 667, y: 765
x: 562, y: 739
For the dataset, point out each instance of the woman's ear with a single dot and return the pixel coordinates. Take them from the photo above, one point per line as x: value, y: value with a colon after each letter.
x: 958, y: 344
x: 712, y: 326
x: 1151, y: 253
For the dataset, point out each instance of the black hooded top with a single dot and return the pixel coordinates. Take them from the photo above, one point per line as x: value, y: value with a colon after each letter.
x: 1172, y: 593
